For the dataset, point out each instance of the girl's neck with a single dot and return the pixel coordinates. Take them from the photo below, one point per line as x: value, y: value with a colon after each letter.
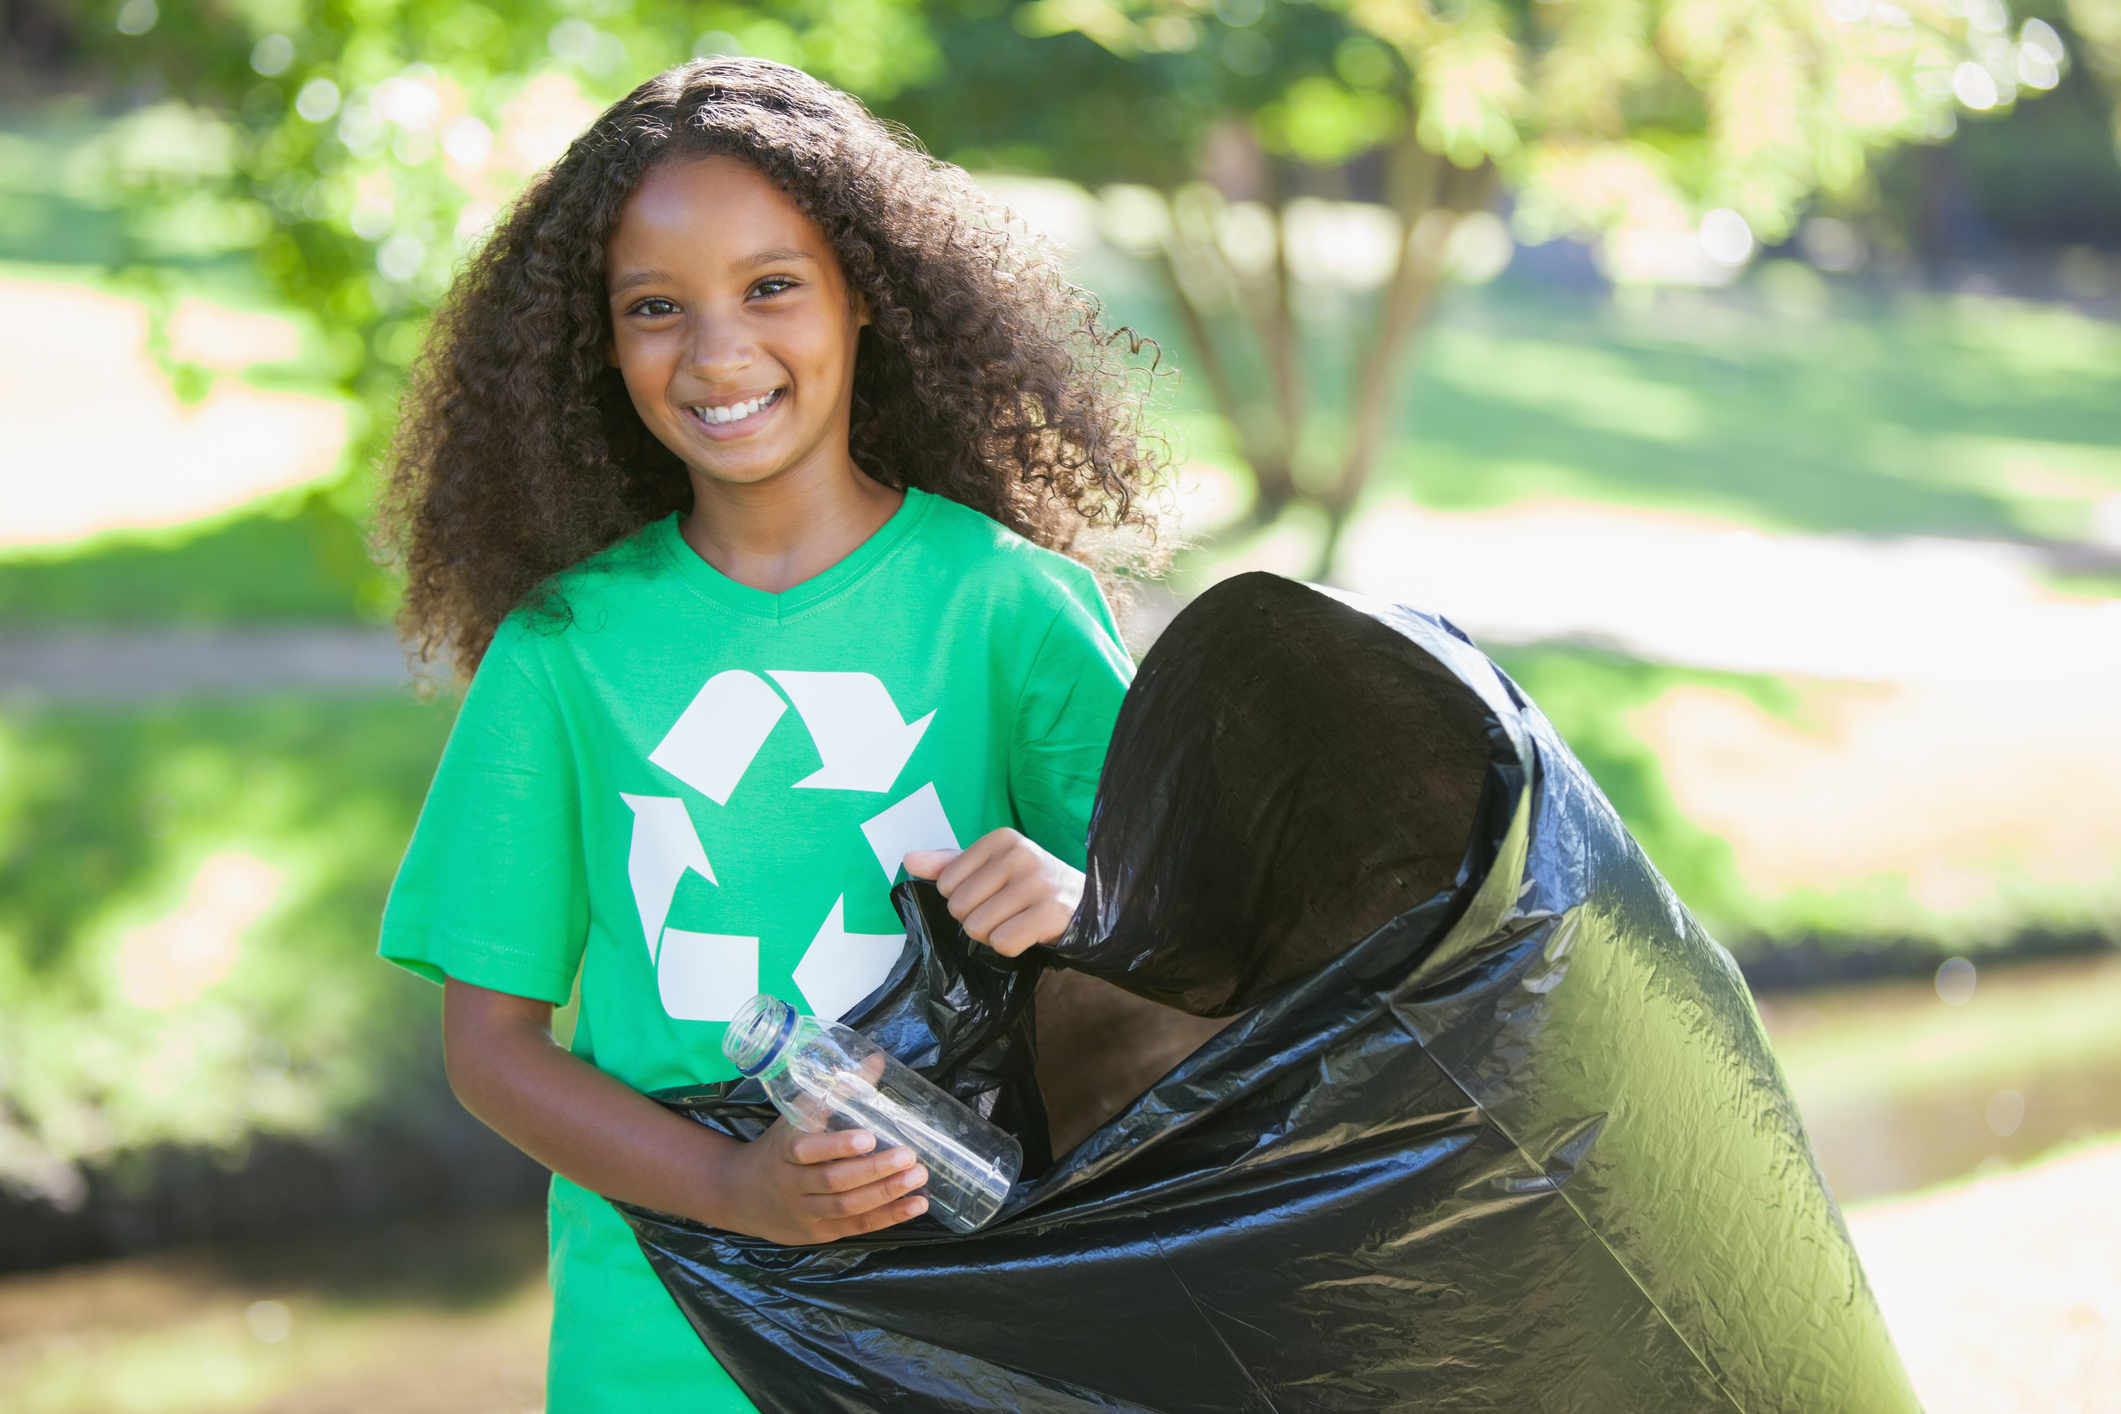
x: 775, y: 534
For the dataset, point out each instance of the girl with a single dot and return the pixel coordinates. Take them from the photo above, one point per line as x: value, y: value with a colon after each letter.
x: 736, y: 473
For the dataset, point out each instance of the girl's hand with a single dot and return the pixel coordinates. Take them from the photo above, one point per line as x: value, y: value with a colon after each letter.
x: 796, y: 1188
x: 1009, y: 893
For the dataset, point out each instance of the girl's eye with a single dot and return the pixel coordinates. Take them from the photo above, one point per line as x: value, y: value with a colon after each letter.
x: 654, y: 308
x: 773, y: 285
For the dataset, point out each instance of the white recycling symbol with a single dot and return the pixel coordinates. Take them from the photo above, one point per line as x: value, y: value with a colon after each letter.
x: 863, y: 744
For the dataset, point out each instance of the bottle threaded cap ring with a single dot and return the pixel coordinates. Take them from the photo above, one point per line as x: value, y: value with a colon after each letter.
x: 758, y: 1034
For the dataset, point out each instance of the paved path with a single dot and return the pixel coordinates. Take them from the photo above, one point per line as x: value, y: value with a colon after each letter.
x: 147, y: 666
x: 2004, y: 1295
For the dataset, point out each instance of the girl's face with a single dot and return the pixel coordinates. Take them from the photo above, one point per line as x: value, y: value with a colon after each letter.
x: 731, y: 322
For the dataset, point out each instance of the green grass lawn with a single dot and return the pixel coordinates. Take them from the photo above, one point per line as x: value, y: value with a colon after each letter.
x: 1790, y: 402
x: 107, y: 815
x: 1865, y: 411
x: 302, y: 560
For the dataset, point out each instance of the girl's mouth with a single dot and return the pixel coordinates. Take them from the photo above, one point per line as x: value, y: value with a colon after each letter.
x: 731, y: 413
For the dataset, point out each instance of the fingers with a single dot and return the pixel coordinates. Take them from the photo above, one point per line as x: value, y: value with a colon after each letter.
x: 984, y: 886
x: 827, y: 1145
x: 904, y: 1210
x: 1008, y: 893
x: 839, y: 1192
x: 975, y: 875
x: 1001, y: 846
x: 842, y: 1160
x: 1024, y: 931
x: 927, y: 863
x: 1021, y: 912
x: 824, y: 1218
x: 857, y: 1185
x: 859, y: 1194
x: 950, y: 867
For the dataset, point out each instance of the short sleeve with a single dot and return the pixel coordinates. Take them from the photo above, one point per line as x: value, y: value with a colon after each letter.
x: 1064, y: 722
x: 493, y: 889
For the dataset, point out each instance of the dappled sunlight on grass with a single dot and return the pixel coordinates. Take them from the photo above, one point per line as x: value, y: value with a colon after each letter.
x: 184, y: 884
x: 1901, y: 414
x: 81, y: 391
x: 304, y: 561
x: 1962, y: 810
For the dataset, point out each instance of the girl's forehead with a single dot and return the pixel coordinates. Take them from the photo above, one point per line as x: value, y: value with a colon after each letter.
x: 705, y: 195
x: 711, y: 214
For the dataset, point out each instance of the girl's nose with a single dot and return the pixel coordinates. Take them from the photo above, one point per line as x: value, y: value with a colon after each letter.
x: 720, y: 350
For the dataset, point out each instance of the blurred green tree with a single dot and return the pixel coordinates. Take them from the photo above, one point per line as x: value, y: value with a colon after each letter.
x: 2096, y: 25
x: 360, y: 146
x: 1683, y: 133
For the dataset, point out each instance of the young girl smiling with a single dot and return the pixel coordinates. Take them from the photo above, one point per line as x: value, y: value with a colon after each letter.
x: 741, y: 477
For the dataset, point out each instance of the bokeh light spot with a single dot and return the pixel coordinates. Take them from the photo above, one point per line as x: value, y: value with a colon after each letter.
x: 1726, y: 236
x: 272, y: 54
x: 1955, y: 982
x: 318, y: 100
x: 270, y: 1322
x: 1975, y: 87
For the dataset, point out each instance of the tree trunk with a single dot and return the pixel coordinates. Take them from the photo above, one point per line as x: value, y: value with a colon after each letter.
x: 1206, y: 355
x: 1271, y: 462
x: 1424, y: 185
x: 1275, y: 324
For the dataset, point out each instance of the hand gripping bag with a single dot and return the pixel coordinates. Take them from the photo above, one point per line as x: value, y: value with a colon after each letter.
x: 1491, y: 1123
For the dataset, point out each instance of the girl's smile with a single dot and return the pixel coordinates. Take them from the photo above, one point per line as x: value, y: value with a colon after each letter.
x: 722, y: 421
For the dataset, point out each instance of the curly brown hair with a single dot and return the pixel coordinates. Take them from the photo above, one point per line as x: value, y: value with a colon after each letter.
x: 984, y: 376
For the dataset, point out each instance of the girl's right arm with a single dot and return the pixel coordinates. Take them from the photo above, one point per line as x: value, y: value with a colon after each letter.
x: 787, y: 1186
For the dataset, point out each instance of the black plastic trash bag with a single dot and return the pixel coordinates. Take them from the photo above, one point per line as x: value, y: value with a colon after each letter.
x: 1495, y: 1126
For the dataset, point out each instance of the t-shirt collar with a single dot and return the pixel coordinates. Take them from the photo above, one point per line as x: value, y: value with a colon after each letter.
x: 757, y: 603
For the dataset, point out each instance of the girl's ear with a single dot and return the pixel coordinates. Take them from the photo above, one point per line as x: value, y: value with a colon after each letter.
x: 611, y: 352
x: 862, y: 314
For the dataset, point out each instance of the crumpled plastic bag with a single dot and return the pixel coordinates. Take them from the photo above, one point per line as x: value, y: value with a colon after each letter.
x: 1494, y: 1126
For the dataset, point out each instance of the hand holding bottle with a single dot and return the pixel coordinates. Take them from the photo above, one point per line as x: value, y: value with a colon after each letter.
x: 799, y: 1188
x: 827, y: 1078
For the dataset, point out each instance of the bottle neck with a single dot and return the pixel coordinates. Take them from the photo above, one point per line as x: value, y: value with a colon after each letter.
x: 757, y: 1039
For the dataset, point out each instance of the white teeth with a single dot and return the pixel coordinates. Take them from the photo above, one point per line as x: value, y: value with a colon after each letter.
x: 736, y: 412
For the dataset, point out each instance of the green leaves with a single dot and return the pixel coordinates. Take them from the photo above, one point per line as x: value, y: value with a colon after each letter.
x: 1326, y: 124
x: 1472, y: 86
x: 362, y: 147
x: 1773, y: 99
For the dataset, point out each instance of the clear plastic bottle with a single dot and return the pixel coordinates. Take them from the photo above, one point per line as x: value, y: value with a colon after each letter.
x: 823, y: 1076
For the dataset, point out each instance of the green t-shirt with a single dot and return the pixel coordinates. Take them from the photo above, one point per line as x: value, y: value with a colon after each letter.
x: 693, y: 791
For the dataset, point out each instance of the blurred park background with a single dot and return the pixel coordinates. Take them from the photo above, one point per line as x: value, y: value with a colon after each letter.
x: 1744, y: 374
